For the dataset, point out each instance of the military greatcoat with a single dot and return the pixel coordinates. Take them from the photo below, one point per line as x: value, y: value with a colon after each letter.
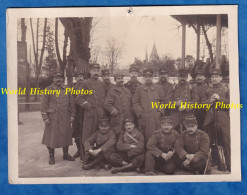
x: 59, y: 110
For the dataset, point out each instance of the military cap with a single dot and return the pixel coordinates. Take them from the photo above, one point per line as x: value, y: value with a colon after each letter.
x: 216, y: 72
x: 200, y: 71
x: 128, y: 120
x: 105, y: 72
x: 78, y: 72
x: 166, y: 119
x: 57, y: 73
x: 182, y: 72
x: 163, y: 70
x: 190, y: 120
x: 118, y: 74
x: 104, y: 121
x: 133, y: 69
x: 148, y: 71
x: 94, y: 66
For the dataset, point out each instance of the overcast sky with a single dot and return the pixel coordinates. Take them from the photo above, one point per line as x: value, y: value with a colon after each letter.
x: 137, y: 34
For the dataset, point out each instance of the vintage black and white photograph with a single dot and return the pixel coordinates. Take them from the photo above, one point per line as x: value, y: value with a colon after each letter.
x: 123, y: 94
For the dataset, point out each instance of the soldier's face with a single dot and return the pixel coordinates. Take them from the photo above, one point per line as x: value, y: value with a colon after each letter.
x: 163, y: 76
x: 191, y: 128
x: 148, y: 79
x: 129, y: 126
x: 119, y: 81
x: 166, y: 127
x: 104, y: 129
x: 215, y: 79
x: 133, y: 75
x: 94, y: 73
x: 182, y: 78
x: 79, y: 78
x: 58, y: 80
x: 200, y: 78
x: 106, y: 78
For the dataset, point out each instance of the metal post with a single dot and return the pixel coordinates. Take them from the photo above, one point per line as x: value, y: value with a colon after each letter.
x: 218, y: 40
x: 183, y: 43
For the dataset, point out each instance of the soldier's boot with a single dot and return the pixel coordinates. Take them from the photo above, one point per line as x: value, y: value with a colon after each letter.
x: 51, y: 156
x: 124, y: 168
x: 66, y: 155
x: 95, y: 162
x: 78, y: 152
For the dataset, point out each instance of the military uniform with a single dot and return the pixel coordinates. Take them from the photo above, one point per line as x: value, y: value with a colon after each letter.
x: 220, y: 118
x: 148, y: 116
x: 132, y: 85
x: 197, y: 144
x: 135, y: 156
x: 160, y: 143
x: 58, y: 111
x: 108, y: 83
x: 120, y: 99
x: 92, y: 105
x: 182, y: 91
x: 201, y: 90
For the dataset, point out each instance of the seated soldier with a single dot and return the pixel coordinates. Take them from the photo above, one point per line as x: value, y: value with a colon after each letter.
x: 160, y: 149
x: 192, y: 147
x: 99, y: 146
x: 130, y: 146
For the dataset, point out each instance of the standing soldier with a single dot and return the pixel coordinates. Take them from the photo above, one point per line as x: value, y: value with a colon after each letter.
x: 92, y: 104
x: 217, y: 121
x: 145, y: 95
x: 58, y: 113
x: 118, y: 103
x: 133, y: 83
x: 100, y: 145
x: 105, y: 74
x: 78, y: 123
x: 182, y: 93
x: 130, y: 146
x: 192, y: 147
x: 167, y: 87
x: 200, y: 89
x: 160, y: 149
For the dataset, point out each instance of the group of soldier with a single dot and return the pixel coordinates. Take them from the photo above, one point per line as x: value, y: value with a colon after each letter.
x: 116, y: 127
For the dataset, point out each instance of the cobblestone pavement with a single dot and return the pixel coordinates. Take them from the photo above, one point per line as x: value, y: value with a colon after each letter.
x: 33, y: 156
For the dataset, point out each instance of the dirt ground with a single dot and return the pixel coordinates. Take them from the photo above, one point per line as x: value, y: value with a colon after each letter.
x: 33, y: 156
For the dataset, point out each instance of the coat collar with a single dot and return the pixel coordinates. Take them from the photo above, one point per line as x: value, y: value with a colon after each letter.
x: 146, y: 87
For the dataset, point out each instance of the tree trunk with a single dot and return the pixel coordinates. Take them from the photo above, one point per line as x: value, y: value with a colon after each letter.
x: 208, y: 44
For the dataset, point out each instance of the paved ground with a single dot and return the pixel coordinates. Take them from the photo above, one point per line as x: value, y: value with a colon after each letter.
x: 33, y: 156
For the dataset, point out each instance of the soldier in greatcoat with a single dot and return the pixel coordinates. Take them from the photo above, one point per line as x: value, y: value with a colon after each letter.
x: 58, y: 113
x: 92, y: 104
x: 130, y: 149
x: 200, y: 88
x: 160, y: 149
x: 182, y: 93
x: 77, y: 124
x: 192, y: 147
x: 166, y: 85
x: 217, y: 120
x: 148, y: 116
x: 100, y: 145
x: 118, y: 103
x: 133, y: 83
x: 105, y: 75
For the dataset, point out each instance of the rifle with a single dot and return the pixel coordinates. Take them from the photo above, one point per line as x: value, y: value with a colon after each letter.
x: 206, y: 167
x: 219, y: 148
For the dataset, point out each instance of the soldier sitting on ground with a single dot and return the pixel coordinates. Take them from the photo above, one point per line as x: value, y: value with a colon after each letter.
x: 99, y: 146
x: 160, y: 149
x: 192, y: 147
x: 130, y: 146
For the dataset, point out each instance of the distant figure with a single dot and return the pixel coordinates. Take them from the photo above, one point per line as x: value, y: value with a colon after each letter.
x: 133, y: 83
x: 58, y: 113
x: 105, y: 74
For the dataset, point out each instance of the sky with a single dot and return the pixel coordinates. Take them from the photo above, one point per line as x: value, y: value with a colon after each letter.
x: 138, y: 34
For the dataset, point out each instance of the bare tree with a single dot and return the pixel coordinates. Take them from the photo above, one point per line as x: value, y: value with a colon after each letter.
x: 78, y: 32
x: 113, y: 52
x: 38, y: 58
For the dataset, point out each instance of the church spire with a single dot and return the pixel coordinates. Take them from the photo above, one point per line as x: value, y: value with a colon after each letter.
x: 154, y: 54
